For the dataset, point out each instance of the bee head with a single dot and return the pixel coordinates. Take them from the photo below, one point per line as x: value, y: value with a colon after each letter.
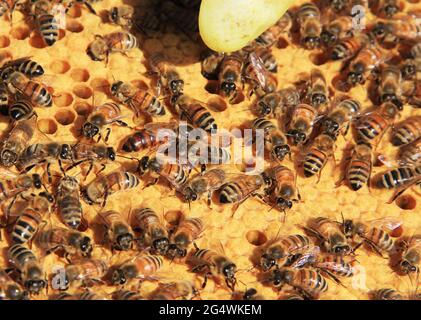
x: 143, y: 165
x: 160, y: 246
x: 65, y: 152
x: 408, y: 70
x: 8, y: 158
x: 284, y: 204
x: 118, y: 277
x: 354, y: 78
x: 328, y: 38
x: 35, y: 286
x: 318, y: 99
x: 36, y: 180
x: 89, y: 130
x: 281, y: 151
x: 267, y: 262
x: 312, y: 42
x: 114, y: 14
x: 279, y: 277
x: 47, y: 196
x: 124, y: 242
x: 111, y: 153
x: 342, y: 249
x: 177, y: 86
x: 228, y: 88
x: 298, y: 136
x: 330, y: 126
x: 380, y: 30
x: 264, y: 108
x: 14, y: 292
x: 407, y: 267
x: 86, y: 246
x: 390, y: 10
x: 175, y: 251
x: 248, y: 295
x: 115, y: 87
x: 337, y: 5
x: 189, y: 194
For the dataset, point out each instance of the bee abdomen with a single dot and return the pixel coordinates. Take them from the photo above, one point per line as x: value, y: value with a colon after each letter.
x: 48, y: 28
x: 387, y: 294
x: 25, y: 227
x: 358, y: 174
x: 71, y: 211
x: 314, y: 162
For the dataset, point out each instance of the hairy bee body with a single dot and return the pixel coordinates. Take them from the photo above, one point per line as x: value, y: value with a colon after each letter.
x: 47, y: 24
x: 336, y: 30
x: 240, y: 189
x: 341, y: 115
x: 187, y: 231
x: 390, y: 85
x: 120, y: 41
x: 407, y: 131
x: 230, y: 79
x: 349, y: 47
x: 122, y: 15
x: 180, y: 290
x: 141, y: 266
x: 68, y: 202
x: 360, y: 165
x: 410, y: 254
x: 284, y: 189
x: 301, y: 124
x: 308, y: 16
x: 169, y: 78
x: 271, y: 35
x: 84, y: 271
x: 10, y: 290
x: 101, y: 116
x: 119, y: 233
x: 321, y: 149
x: 207, y: 182
x: 10, y: 188
x: 366, y: 61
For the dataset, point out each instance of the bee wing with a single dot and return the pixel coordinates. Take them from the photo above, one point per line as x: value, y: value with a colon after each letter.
x: 258, y: 64
x: 15, y: 61
x: 392, y: 163
x: 388, y: 224
x: 153, y: 127
x: 307, y: 258
x: 7, y: 174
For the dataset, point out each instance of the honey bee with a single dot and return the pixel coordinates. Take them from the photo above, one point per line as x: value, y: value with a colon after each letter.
x: 28, y: 222
x: 188, y: 230
x: 374, y: 124
x: 122, y: 16
x: 341, y: 116
x: 282, y: 250
x: 319, y: 152
x: 139, y: 101
x: 359, y: 168
x: 230, y: 76
x: 390, y: 85
x: 215, y: 264
x: 68, y: 4
x: 405, y: 28
x: 194, y: 112
x: 21, y: 110
x: 68, y: 202
x: 310, y: 283
x: 127, y: 295
x: 175, y: 174
x: 74, y: 243
x: 301, y: 125
x: 168, y: 77
x: 34, y: 91
x: 12, y: 187
x: 372, y: 233
x: 103, y: 46
x: 410, y: 70
x: 271, y: 35
x: 388, y: 8
x: 25, y: 65
x: 29, y: 267
x: 180, y: 290
x: 84, y: 272
x: 318, y: 92
x: 308, y: 16
x: 276, y: 102
x: 387, y: 294
x: 268, y: 59
x: 101, y: 116
x: 16, y: 141
x: 338, y: 5
x: 284, y: 187
x: 100, y: 188
x: 263, y: 81
x: 10, y: 290
x: 330, y: 234
x: 407, y: 131
x: 89, y: 295
x: 48, y: 26
x: 410, y: 254
x: 338, y: 29
x: 411, y: 153
x: 365, y: 62
x: 152, y: 230
x: 349, y: 47
x: 210, y: 65
x: 119, y: 233
x: 207, y: 182
x: 333, y: 266
x: 138, y: 267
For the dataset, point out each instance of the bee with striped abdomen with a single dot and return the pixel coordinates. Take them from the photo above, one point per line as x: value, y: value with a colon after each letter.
x: 84, y: 272
x: 390, y: 85
x: 263, y: 81
x: 118, y: 234
x: 359, y: 168
x: 341, y: 116
x: 138, y: 267
x: 102, y: 187
x: 10, y: 188
x: 4, y: 99
x: 122, y: 16
x: 210, y: 65
x: 21, y: 110
x: 407, y: 131
x: 308, y: 16
x: 153, y: 233
x: 48, y: 26
x: 411, y: 153
x: 278, y: 102
x: 318, y: 91
x: 194, y: 112
x: 349, y: 47
x: 168, y: 77
x: 179, y: 290
x: 334, y: 265
x: 321, y: 149
x: 410, y: 250
x: 29, y: 267
x: 268, y: 59
x: 140, y: 101
x: 10, y: 290
x: 271, y: 36
x: 127, y: 295
x: 338, y: 29
x: 101, y: 116
x: 68, y: 202
x: 387, y: 294
x: 103, y: 46
x: 25, y: 65
x: 187, y: 230
x: 89, y: 295
x: 214, y: 264
x: 230, y: 76
x: 301, y: 124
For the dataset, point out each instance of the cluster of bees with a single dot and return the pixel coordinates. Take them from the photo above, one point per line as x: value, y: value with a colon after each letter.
x: 302, y: 120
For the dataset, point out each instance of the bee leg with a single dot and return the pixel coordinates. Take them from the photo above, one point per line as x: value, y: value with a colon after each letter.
x: 90, y: 168
x: 49, y: 177
x: 205, y: 280
x: 90, y: 8
x: 209, y: 199
x: 374, y: 247
x: 333, y: 277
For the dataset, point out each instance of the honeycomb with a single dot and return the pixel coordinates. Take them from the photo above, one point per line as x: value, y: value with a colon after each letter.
x: 78, y: 83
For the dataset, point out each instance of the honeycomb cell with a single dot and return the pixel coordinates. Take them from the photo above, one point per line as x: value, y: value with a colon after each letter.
x: 47, y: 126
x: 80, y: 75
x: 36, y: 41
x: 65, y: 117
x: 60, y: 66
x: 5, y: 56
x: 63, y: 99
x: 100, y: 84
x: 20, y: 32
x: 4, y: 41
x: 75, y: 11
x: 82, y: 91
x: 74, y: 26
x: 406, y: 202
x: 256, y: 237
x: 173, y: 216
x: 82, y: 108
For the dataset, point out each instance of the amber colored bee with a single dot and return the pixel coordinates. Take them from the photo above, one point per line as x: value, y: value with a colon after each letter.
x: 407, y: 131
x: 263, y: 81
x: 388, y: 8
x: 10, y: 290
x: 122, y: 16
x: 390, y: 85
x: 319, y: 152
x: 284, y: 187
x: 214, y: 264
x: 309, y: 282
x: 21, y: 110
x: 100, y: 117
x: 411, y: 153
x: 268, y: 59
x: 29, y: 220
x: 308, y: 16
x: 372, y: 125
x: 318, y: 91
x: 84, y: 272
x: 366, y: 61
x: 410, y: 249
x: 138, y: 267
x: 29, y: 267
x: 139, y: 101
x: 48, y: 25
x: 210, y: 65
x: 372, y: 233
x: 168, y: 77
x: 103, y: 46
x: 271, y: 35
x: 180, y: 290
x: 301, y: 125
x: 341, y: 116
x: 16, y: 141
x: 127, y: 295
x: 230, y: 76
x: 406, y: 28
x: 387, y: 294
x: 119, y: 233
x: 349, y: 47
x: 34, y: 91
x: 330, y: 234
x: 338, y: 29
x: 25, y: 65
x: 152, y: 230
x: 359, y: 168
x: 188, y: 230
x: 68, y: 202
x: 194, y: 112
x: 10, y: 188
x: 206, y: 182
x: 74, y: 243
x: 277, y: 102
x: 100, y: 188
x: 281, y: 250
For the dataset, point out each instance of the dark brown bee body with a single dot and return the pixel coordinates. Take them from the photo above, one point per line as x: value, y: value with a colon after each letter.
x: 10, y: 290
x: 187, y: 231
x: 230, y: 79
x: 68, y: 202
x: 359, y: 168
x: 407, y: 131
x: 119, y: 233
x: 308, y: 16
x: 316, y: 158
x: 141, y: 266
x: 341, y: 116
